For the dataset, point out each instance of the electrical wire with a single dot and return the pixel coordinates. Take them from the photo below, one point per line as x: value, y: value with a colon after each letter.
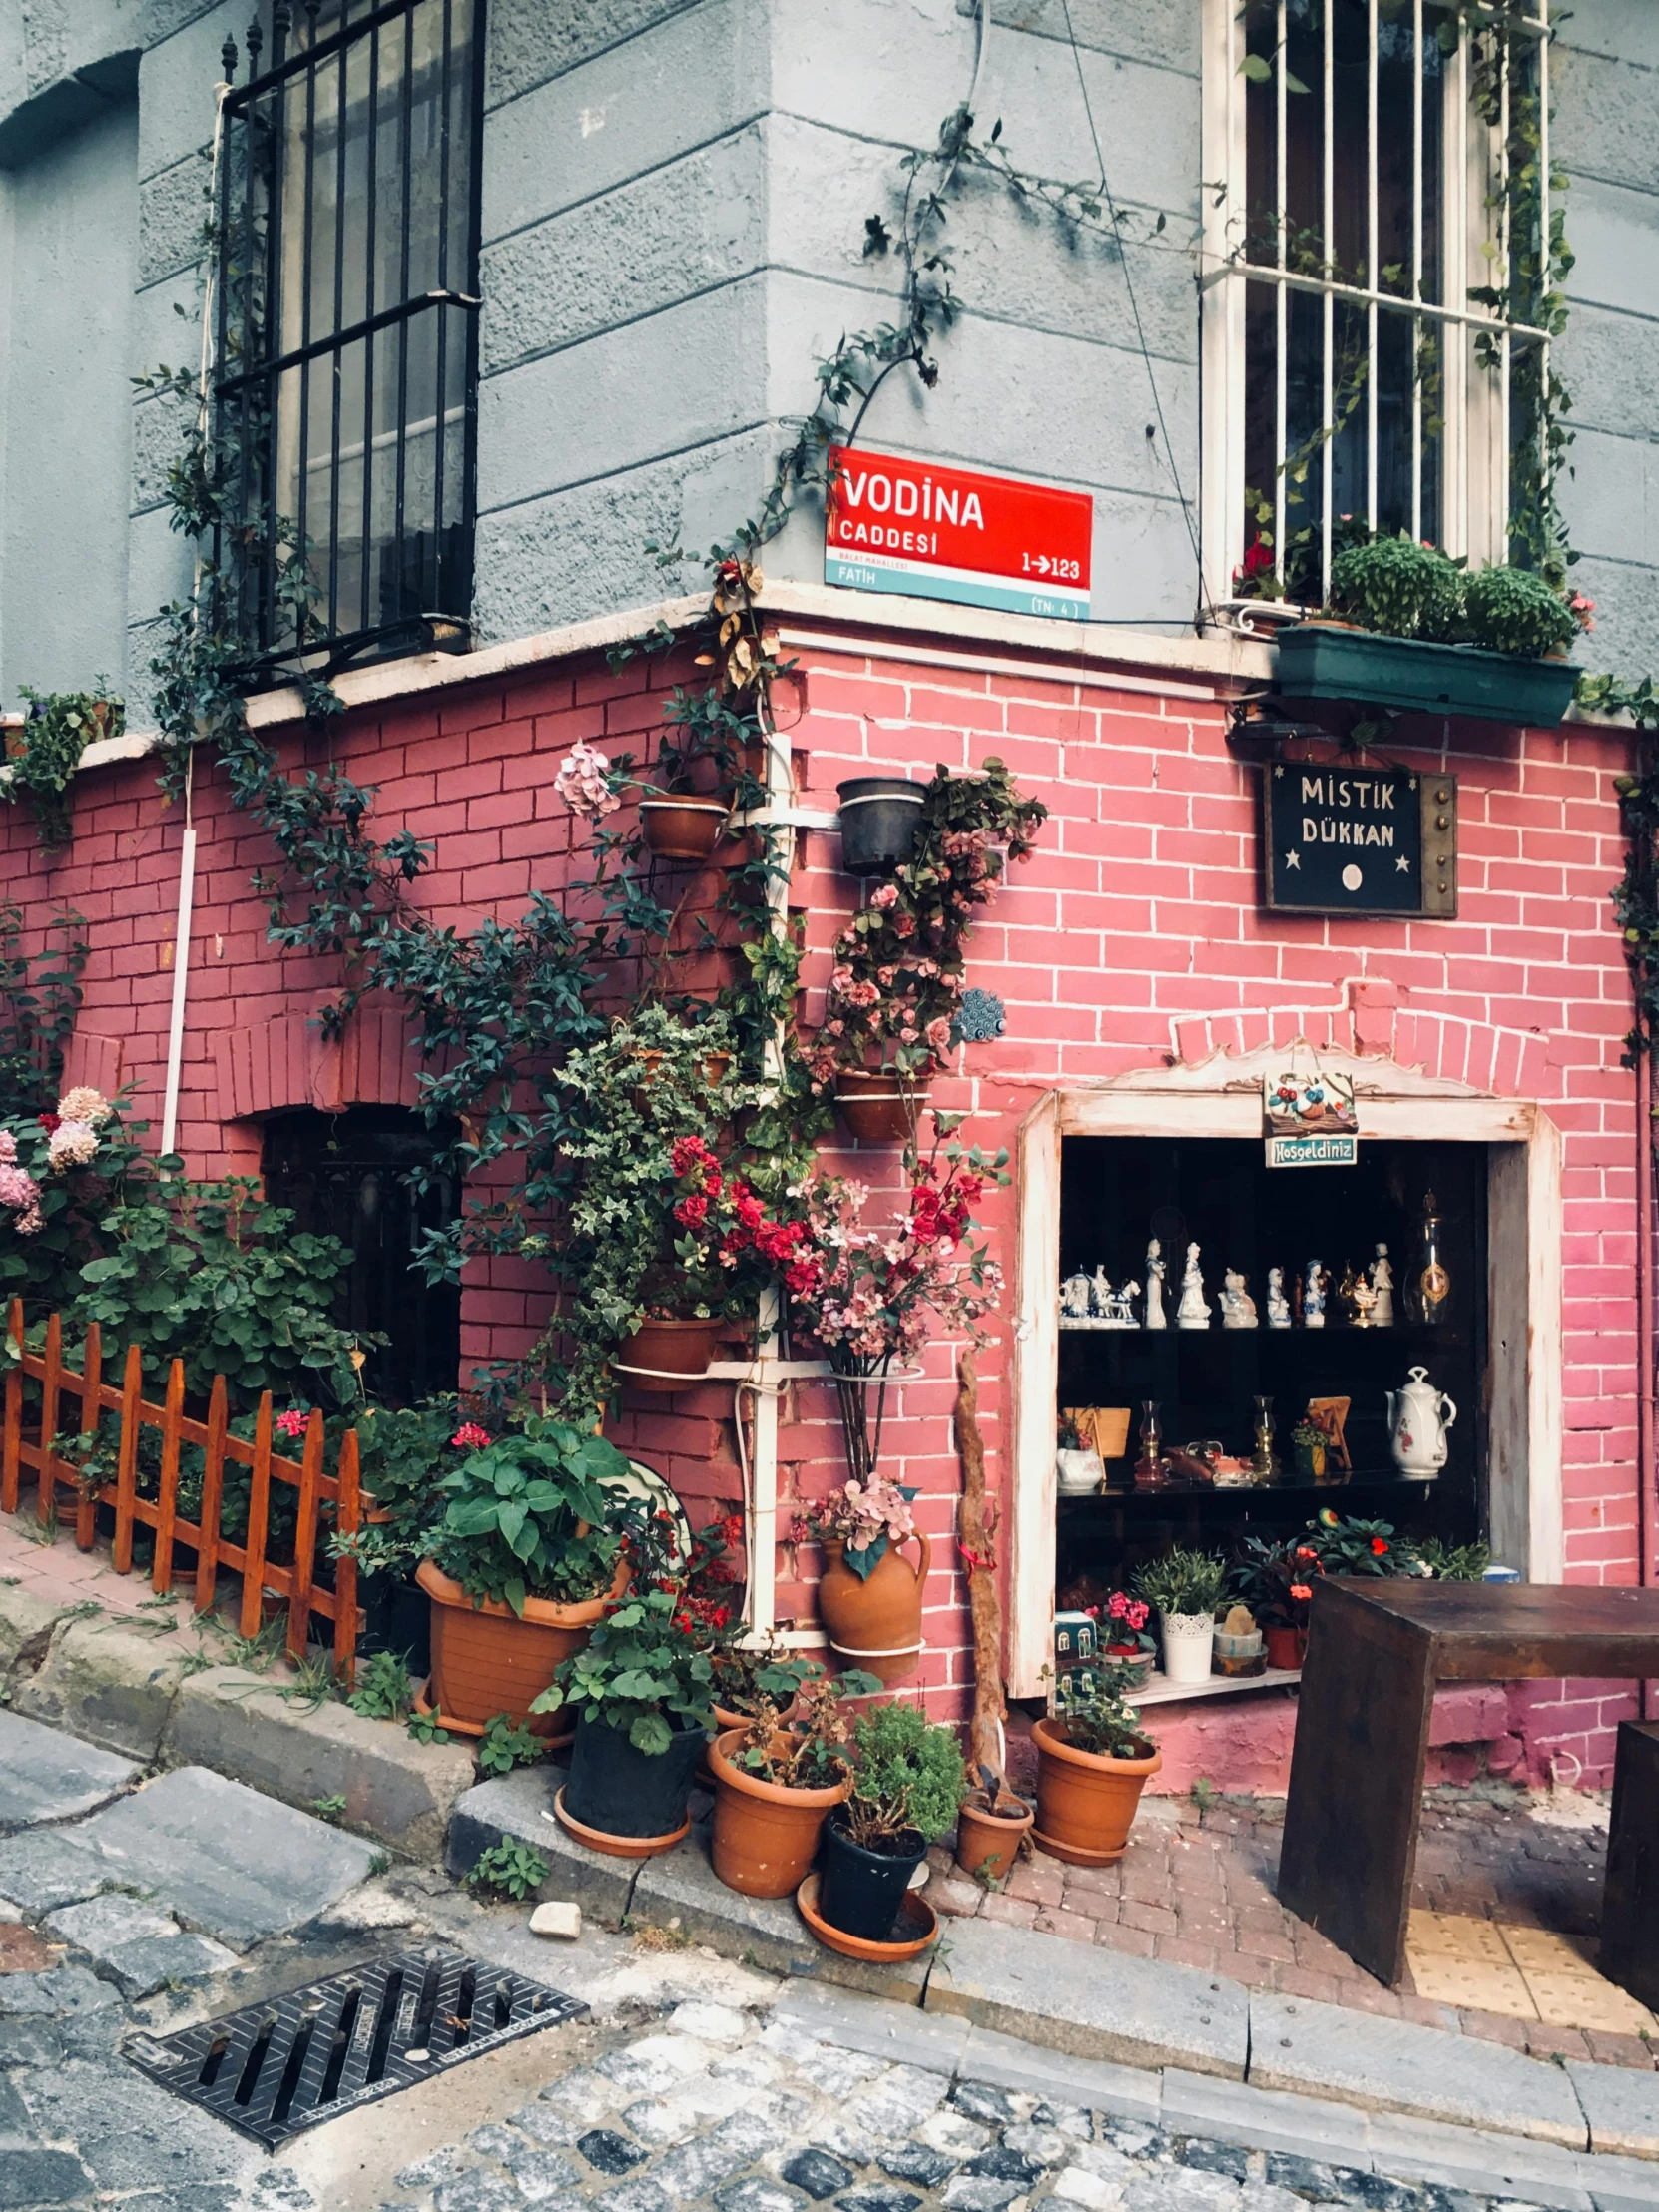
x: 1135, y: 313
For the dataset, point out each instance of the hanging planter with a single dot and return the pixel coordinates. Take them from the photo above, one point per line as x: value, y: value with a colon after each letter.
x: 880, y: 816
x: 878, y: 1105
x: 677, y: 1352
x: 875, y: 1620
x: 682, y: 827
x: 486, y: 1659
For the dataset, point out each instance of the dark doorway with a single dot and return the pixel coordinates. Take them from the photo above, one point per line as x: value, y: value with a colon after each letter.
x: 347, y: 1176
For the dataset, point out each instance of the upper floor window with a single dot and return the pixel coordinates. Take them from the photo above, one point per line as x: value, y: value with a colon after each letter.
x: 1378, y: 276
x: 347, y: 321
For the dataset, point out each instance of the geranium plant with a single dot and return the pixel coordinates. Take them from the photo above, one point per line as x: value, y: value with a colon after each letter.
x: 540, y: 1514
x: 1276, y: 1579
x: 1123, y: 1626
x: 811, y: 1751
x: 1364, y: 1547
x: 871, y: 1297
x: 900, y: 963
x: 645, y: 1671
x: 1100, y: 1720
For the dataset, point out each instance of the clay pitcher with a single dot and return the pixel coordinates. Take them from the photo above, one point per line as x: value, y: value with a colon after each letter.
x: 874, y: 1621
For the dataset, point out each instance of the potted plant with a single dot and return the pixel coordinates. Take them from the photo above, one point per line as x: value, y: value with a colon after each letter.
x: 1093, y: 1761
x: 991, y: 1825
x: 870, y: 1596
x: 774, y: 1784
x: 530, y: 1547
x: 1125, y: 1639
x: 1361, y: 1547
x: 1308, y: 1444
x: 680, y: 825
x: 1184, y: 1587
x: 880, y: 816
x: 1276, y: 1580
x: 1078, y: 1466
x: 641, y: 1693
x: 906, y: 1791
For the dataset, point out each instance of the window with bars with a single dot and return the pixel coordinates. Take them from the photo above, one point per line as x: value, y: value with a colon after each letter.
x: 346, y: 331
x: 1380, y: 257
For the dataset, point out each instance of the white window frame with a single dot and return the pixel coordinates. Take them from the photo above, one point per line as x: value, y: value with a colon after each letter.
x: 1475, y: 401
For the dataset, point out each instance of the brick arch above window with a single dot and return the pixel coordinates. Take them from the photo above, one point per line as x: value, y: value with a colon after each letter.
x: 270, y: 1066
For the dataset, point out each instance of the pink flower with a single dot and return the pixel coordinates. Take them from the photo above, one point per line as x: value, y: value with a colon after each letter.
x: 883, y: 897
x: 471, y: 1438
x: 584, y: 783
x: 290, y: 1424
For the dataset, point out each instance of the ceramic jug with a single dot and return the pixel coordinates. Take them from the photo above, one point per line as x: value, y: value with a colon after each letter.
x: 1419, y: 1418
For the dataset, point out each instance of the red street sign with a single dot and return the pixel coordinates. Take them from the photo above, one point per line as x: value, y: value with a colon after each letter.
x: 952, y: 533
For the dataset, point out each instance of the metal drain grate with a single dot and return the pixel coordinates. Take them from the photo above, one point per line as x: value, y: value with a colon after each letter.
x: 293, y: 2062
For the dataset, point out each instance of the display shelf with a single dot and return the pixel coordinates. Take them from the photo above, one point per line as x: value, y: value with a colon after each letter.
x: 1160, y: 1690
x: 1358, y: 1481
x: 1422, y: 1332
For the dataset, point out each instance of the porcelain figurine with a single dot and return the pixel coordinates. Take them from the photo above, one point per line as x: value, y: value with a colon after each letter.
x: 1383, y: 1287
x: 1193, y: 1312
x: 1237, y: 1308
x: 1279, y: 1310
x: 1102, y: 1294
x: 1127, y: 1296
x: 1419, y: 1418
x: 1074, y: 1297
x: 1155, y: 1285
x: 1313, y: 1296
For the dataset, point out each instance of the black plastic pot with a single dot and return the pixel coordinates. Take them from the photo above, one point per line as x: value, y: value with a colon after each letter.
x: 880, y: 817
x: 860, y: 1892
x: 396, y: 1616
x: 625, y: 1792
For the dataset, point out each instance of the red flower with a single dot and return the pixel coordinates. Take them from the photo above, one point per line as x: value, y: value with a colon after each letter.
x: 691, y: 1212
x: 51, y: 1123
x: 291, y: 1424
x: 1301, y: 1590
x: 1377, y: 1548
x: 471, y: 1438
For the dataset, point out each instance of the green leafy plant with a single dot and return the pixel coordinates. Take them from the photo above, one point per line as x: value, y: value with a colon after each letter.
x: 60, y: 727
x: 426, y: 1728
x: 1182, y: 1582
x: 1400, y: 588
x: 808, y: 1752
x: 908, y: 1778
x: 1101, y: 1720
x: 1275, y: 1578
x: 1362, y: 1548
x: 646, y: 1670
x: 40, y: 995
x: 1454, y: 1562
x: 330, y: 1809
x: 403, y: 1454
x: 506, y: 1744
x: 531, y: 1516
x: 1512, y: 610
x: 383, y: 1689
x: 509, y: 1871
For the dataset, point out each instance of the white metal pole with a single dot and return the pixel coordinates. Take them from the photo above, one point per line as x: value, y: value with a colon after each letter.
x: 1417, y: 266
x: 180, y: 977
x: 1372, y: 273
x: 1282, y: 301
x: 1328, y: 307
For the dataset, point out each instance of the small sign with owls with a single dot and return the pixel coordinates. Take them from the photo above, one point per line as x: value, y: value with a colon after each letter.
x: 1311, y: 1119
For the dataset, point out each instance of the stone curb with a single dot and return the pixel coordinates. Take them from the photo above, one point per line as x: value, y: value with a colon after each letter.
x: 111, y: 1684
x: 1145, y: 2040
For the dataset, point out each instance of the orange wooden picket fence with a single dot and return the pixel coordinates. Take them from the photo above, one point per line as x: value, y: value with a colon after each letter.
x: 335, y: 1499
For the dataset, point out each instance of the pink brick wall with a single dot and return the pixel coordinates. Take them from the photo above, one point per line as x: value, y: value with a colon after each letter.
x: 1133, y: 933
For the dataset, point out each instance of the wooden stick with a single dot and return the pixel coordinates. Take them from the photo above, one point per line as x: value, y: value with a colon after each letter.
x: 126, y: 1474
x: 305, y: 1541
x: 92, y: 1381
x: 258, y: 1514
x: 167, y: 1503
x: 212, y: 1490
x: 11, y: 1467
x: 347, y: 1521
x: 50, y: 1391
x: 973, y: 1541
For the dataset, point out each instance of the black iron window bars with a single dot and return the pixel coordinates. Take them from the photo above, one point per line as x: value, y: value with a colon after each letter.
x: 347, y: 347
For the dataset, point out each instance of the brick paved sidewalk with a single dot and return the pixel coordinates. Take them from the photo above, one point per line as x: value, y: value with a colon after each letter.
x: 1196, y: 1885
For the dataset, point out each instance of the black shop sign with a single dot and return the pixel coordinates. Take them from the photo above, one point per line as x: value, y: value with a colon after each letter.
x: 1355, y: 840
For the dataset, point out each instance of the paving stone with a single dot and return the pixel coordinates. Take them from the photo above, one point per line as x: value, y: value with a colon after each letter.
x: 757, y: 2195
x: 426, y: 2172
x: 816, y: 2172
x: 1106, y: 2161
x: 1075, y: 2186
x: 540, y: 2174
x: 152, y: 1963
x: 1394, y: 2065
x: 50, y: 2178
x: 1621, y: 2105
x: 695, y: 2167
x: 713, y: 2023
x: 660, y: 2121
x: 40, y: 1870
x: 543, y: 2125
x: 30, y: 2042
x: 62, y: 1994
x: 981, y: 2193
x: 1045, y: 2147
x: 47, y: 1776
x: 1179, y: 2189
x: 610, y: 2154
x: 834, y: 2071
x: 492, y: 2141
x: 900, y: 2100
x: 1073, y: 2120
x: 879, y: 2200
x: 1537, y: 2172
x: 902, y: 2033
x: 845, y: 2140
x: 16, y: 2126
x: 654, y: 2065
x: 585, y: 2094
x: 102, y: 1922
x: 1216, y: 2158
x: 477, y: 2192
x: 639, y: 2195
x: 982, y: 2100
x: 1264, y: 2119
x: 917, y: 2162
x: 222, y: 1857
x: 1003, y: 2164
x: 953, y: 2133
x: 1092, y: 2004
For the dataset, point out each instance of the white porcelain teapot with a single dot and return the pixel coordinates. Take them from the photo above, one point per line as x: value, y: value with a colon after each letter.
x: 1419, y: 1418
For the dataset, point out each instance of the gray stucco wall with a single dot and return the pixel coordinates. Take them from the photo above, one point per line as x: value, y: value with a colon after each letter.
x: 674, y: 204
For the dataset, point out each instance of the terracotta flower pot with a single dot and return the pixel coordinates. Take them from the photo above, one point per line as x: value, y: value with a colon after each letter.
x: 1085, y: 1801
x: 878, y: 1105
x: 1287, y: 1647
x: 678, y: 1352
x: 485, y: 1660
x: 992, y: 1838
x: 765, y: 1837
x: 874, y: 1621
x: 681, y: 826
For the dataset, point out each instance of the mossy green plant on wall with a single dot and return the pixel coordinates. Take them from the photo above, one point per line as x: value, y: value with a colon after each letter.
x: 43, y: 756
